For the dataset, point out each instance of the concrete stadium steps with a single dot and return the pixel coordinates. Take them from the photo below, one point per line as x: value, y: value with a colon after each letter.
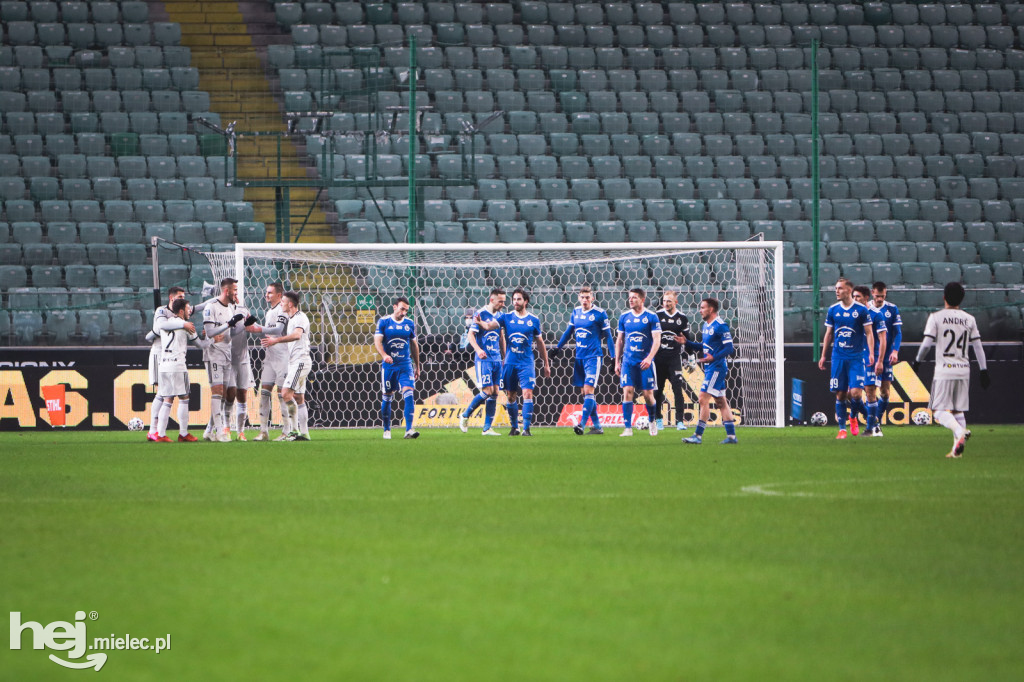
x: 224, y: 49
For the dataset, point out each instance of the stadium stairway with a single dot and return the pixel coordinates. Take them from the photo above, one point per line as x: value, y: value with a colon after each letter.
x: 224, y: 46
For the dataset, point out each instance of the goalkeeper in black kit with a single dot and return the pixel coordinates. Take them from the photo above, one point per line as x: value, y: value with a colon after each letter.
x: 668, y: 363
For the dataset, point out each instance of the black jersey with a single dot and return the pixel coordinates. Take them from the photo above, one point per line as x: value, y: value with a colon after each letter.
x: 672, y: 326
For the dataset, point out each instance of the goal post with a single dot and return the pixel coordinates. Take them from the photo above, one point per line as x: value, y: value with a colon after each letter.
x: 346, y: 288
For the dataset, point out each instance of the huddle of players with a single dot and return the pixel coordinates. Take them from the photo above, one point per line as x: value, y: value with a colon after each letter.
x: 647, y: 350
x: 866, y: 330
x: 225, y: 354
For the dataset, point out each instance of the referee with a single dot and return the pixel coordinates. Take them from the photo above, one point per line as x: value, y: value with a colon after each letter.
x: 675, y: 330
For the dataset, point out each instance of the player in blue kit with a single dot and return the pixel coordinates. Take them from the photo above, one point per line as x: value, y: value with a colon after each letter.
x: 395, y: 341
x: 518, y: 374
x: 893, y: 340
x: 637, y: 343
x: 715, y: 346
x: 485, y: 338
x: 587, y: 324
x: 862, y: 295
x: 849, y: 324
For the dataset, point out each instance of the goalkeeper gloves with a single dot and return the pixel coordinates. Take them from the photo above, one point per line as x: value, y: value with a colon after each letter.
x: 986, y: 380
x: 249, y: 321
x: 236, y: 319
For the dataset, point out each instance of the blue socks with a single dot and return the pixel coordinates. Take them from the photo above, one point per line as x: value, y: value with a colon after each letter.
x: 408, y: 408
x: 490, y: 407
x: 478, y: 400
x: 699, y: 431
x: 527, y: 414
x: 627, y: 415
x: 857, y: 407
x: 589, y: 409
x: 385, y: 412
x: 872, y: 414
x: 730, y: 428
x: 841, y: 417
x: 883, y: 407
x: 513, y: 414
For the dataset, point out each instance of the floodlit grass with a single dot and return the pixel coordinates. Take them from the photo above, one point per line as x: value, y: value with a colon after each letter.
x: 456, y: 557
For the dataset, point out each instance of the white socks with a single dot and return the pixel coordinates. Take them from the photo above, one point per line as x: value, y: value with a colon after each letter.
x: 154, y: 414
x: 303, y: 414
x: 286, y: 420
x: 217, y: 410
x: 240, y: 410
x: 164, y: 415
x: 182, y: 416
x: 950, y: 422
x: 265, y: 409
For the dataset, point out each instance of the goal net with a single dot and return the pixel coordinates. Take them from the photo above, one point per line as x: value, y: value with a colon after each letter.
x: 346, y: 288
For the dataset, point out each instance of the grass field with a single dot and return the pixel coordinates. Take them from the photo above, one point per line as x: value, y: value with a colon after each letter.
x: 453, y: 557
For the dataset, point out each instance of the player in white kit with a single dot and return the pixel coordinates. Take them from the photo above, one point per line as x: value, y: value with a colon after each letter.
x: 952, y: 331
x: 175, y: 338
x: 161, y: 316
x: 219, y: 319
x: 299, y: 363
x: 275, y: 362
x: 241, y: 373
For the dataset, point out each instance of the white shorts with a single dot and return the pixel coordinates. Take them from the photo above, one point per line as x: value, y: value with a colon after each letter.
x: 154, y: 367
x: 220, y: 374
x: 274, y: 372
x: 296, y: 377
x: 950, y: 395
x: 173, y: 384
x: 242, y: 371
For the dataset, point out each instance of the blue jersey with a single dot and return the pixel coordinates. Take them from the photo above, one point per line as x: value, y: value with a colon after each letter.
x: 848, y: 326
x: 716, y: 341
x: 519, y: 333
x: 877, y: 318
x: 894, y: 327
x: 489, y: 340
x: 589, y: 326
x: 638, y: 330
x: 398, y: 338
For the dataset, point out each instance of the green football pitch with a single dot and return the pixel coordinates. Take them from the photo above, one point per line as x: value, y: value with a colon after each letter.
x: 454, y: 557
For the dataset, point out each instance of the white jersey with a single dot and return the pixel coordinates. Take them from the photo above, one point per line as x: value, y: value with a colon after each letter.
x: 953, y: 331
x: 298, y: 350
x: 173, y: 347
x: 160, y: 315
x: 276, y: 316
x: 240, y: 341
x: 215, y: 315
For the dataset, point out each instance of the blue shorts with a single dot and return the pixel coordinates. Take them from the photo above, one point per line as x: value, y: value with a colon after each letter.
x: 392, y: 377
x: 886, y: 374
x: 488, y: 373
x: 847, y: 373
x: 633, y: 376
x: 714, y: 380
x: 516, y: 377
x: 585, y: 372
x: 870, y: 379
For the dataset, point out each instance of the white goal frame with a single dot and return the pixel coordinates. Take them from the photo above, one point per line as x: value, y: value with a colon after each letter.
x: 618, y: 250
